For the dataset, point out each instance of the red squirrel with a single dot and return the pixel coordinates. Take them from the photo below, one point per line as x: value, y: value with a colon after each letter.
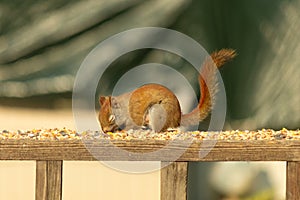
x: 156, y: 107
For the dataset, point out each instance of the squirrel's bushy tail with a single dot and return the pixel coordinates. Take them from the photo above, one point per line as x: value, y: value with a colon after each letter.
x: 208, y: 86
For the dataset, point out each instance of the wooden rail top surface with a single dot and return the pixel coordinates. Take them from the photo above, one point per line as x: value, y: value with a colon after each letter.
x: 280, y: 146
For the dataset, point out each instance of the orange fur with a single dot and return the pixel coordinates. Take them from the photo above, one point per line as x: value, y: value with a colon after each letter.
x: 208, y: 86
x: 157, y: 107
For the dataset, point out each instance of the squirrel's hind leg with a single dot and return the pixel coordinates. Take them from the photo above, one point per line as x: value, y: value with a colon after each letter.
x: 155, y: 118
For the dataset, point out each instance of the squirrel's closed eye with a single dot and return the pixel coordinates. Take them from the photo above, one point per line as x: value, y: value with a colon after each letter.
x: 111, y: 118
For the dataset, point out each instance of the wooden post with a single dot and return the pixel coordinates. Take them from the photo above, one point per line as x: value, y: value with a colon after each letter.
x: 173, y: 181
x: 48, y: 180
x: 293, y: 180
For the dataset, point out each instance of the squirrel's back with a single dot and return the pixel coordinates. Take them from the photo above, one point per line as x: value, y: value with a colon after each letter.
x: 156, y: 106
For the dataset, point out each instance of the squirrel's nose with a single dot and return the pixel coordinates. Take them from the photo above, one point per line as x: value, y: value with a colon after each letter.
x: 106, y: 129
x: 110, y: 128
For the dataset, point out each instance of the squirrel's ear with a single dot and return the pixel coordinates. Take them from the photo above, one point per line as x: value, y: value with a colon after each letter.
x: 102, y: 99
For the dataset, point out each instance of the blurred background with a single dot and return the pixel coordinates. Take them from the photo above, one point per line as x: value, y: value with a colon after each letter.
x: 43, y: 43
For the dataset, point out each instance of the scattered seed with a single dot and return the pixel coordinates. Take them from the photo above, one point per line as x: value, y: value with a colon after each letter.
x: 68, y: 134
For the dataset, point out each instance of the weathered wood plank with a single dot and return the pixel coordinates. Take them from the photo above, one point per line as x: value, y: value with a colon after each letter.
x: 41, y: 180
x: 173, y: 181
x: 54, y: 186
x: 293, y: 181
x: 281, y: 150
x: 48, y: 180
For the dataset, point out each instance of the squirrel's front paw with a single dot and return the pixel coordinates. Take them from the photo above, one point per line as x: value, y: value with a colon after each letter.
x: 174, y: 129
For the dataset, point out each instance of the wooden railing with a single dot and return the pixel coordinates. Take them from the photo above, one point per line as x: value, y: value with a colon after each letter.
x: 49, y: 156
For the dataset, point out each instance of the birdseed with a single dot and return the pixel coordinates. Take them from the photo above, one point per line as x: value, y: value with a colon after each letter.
x: 68, y: 134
